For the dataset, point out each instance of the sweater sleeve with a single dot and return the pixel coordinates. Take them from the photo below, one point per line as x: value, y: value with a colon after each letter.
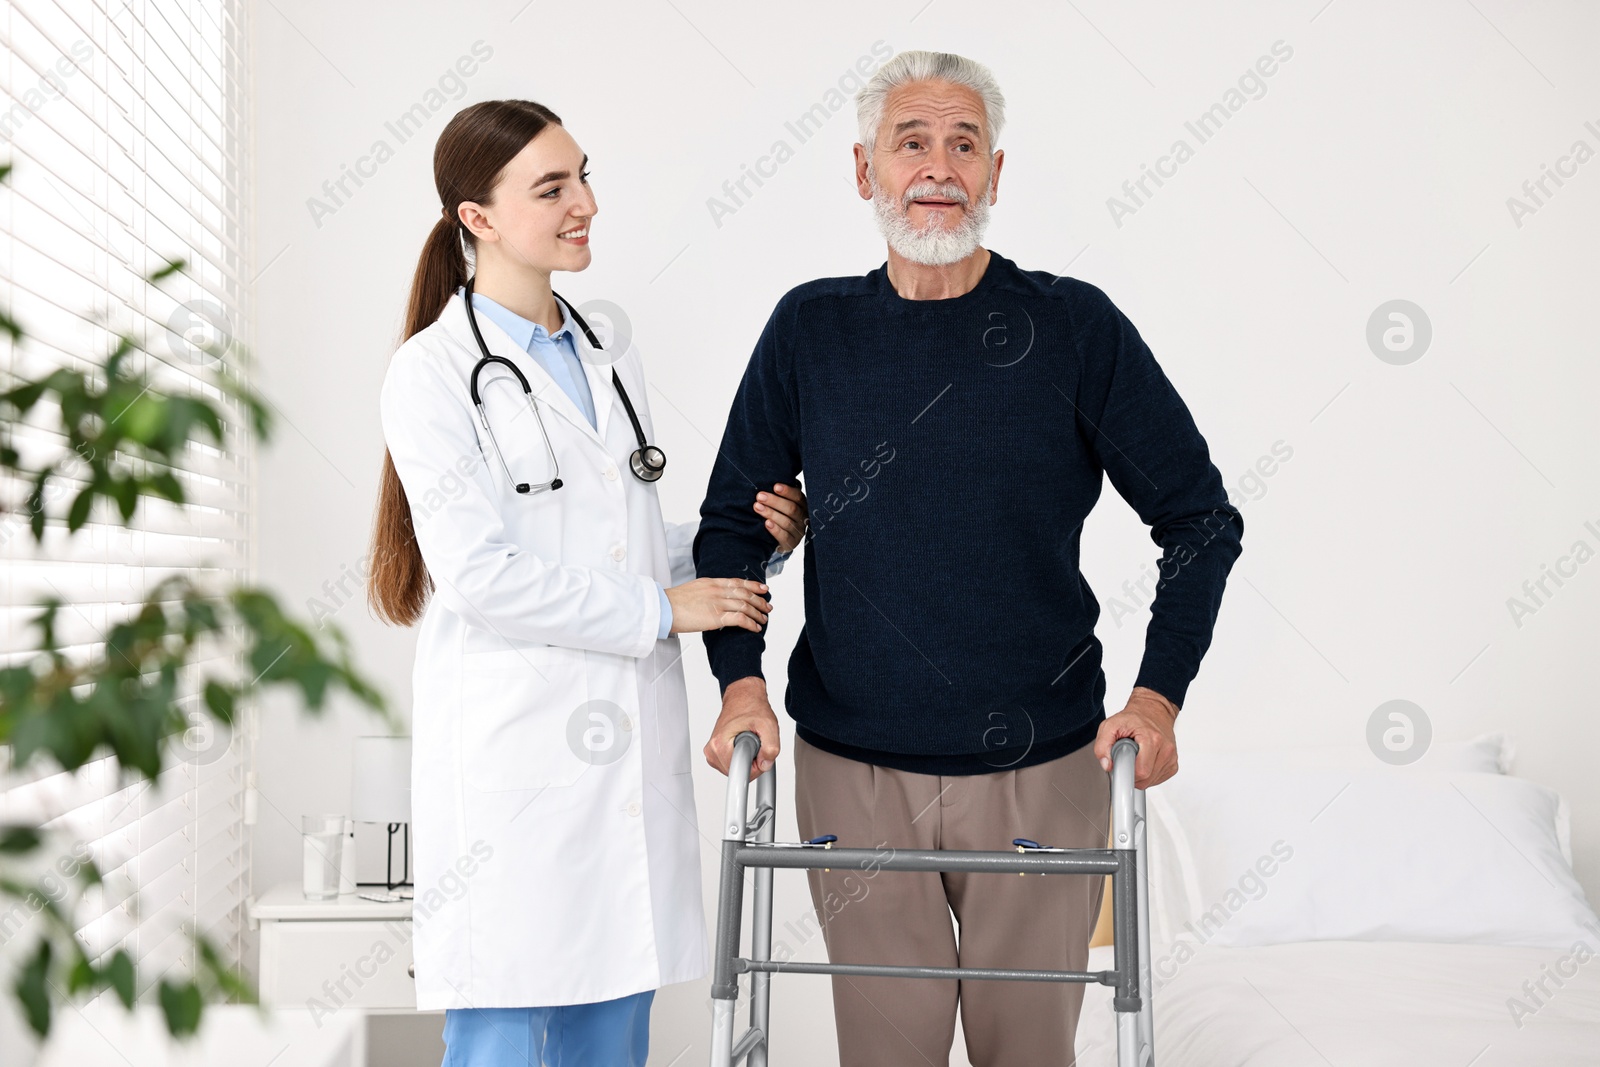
x: 760, y: 446
x: 1145, y: 439
x: 680, y: 550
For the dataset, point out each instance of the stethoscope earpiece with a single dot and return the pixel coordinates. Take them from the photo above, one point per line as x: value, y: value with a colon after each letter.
x: 648, y: 462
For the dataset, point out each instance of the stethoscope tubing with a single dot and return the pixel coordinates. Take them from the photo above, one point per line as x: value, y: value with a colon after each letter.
x: 648, y: 461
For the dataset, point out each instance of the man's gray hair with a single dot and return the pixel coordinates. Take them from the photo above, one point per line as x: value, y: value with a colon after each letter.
x: 928, y: 66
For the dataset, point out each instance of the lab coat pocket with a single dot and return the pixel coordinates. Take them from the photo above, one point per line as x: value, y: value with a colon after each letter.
x: 670, y: 708
x: 517, y: 706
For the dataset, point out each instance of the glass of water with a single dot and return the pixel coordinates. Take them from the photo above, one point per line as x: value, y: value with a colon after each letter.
x: 324, y: 844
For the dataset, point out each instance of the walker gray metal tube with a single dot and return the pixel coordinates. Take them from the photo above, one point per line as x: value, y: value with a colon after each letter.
x: 730, y: 904
x: 1130, y: 912
x: 724, y: 979
x: 1125, y: 861
x: 761, y: 917
x: 1147, y: 1034
x: 1077, y: 861
x: 884, y: 970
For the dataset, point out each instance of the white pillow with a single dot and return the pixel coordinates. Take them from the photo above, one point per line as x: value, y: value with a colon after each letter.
x: 1173, y: 903
x: 1280, y: 853
x: 1490, y: 753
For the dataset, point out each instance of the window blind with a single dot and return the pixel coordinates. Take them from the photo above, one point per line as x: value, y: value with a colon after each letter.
x: 126, y: 124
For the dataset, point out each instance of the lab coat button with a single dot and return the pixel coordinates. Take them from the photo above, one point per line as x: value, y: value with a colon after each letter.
x: 618, y: 552
x: 611, y: 474
x: 633, y: 809
x: 627, y: 723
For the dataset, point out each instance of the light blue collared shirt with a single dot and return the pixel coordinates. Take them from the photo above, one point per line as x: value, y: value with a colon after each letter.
x: 557, y: 353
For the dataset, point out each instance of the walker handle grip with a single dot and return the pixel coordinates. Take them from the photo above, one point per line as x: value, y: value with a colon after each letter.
x: 746, y: 746
x: 746, y: 741
x: 1124, y: 752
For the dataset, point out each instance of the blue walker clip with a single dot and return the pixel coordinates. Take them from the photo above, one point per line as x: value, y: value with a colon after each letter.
x: 1024, y: 845
x: 825, y: 841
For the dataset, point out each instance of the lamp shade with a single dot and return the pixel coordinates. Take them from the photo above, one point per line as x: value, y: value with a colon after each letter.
x: 380, y: 785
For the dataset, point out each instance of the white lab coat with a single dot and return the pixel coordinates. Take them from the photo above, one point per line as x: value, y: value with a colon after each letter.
x: 556, y: 849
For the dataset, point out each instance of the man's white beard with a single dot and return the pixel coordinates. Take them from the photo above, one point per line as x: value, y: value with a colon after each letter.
x: 932, y: 245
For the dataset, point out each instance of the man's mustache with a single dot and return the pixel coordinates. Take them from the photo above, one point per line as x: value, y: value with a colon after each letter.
x: 949, y: 191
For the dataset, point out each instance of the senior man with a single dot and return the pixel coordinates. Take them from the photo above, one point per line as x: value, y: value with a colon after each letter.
x: 953, y: 415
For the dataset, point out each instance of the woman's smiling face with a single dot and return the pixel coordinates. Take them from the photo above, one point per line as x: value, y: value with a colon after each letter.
x: 542, y: 205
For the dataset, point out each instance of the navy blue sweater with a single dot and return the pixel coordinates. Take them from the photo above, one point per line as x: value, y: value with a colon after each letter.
x: 952, y: 450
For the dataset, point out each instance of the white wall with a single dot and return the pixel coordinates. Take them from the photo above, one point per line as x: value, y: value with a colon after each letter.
x: 1377, y: 165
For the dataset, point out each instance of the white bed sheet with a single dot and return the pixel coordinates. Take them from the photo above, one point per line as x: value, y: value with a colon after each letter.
x: 1361, y: 1004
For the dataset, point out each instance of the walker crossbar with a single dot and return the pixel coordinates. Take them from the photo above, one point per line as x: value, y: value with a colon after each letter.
x: 1124, y: 863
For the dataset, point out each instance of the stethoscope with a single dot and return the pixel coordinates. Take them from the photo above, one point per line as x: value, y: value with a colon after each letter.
x: 648, y: 461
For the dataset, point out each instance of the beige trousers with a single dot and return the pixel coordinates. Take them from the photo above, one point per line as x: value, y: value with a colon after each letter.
x: 1004, y: 920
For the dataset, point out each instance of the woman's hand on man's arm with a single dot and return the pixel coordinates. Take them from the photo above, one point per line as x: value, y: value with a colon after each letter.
x: 784, y: 510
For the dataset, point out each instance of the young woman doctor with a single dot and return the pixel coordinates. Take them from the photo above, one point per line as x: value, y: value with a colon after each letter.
x: 557, y: 853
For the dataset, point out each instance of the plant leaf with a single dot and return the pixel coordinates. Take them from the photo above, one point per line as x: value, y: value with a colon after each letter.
x: 173, y: 266
x: 79, y: 513
x: 33, y: 989
x: 181, y: 1004
x: 219, y: 698
x: 19, y: 839
x: 118, y: 975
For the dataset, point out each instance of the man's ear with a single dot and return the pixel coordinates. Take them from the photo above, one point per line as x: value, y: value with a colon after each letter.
x: 994, y: 179
x: 863, y: 186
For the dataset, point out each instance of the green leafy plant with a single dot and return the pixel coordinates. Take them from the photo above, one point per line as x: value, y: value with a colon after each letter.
x: 123, y: 436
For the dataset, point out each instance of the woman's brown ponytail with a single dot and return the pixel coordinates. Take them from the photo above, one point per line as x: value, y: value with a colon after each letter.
x: 472, y: 150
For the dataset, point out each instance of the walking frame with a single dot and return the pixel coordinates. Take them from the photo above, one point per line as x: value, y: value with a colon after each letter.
x: 748, y: 843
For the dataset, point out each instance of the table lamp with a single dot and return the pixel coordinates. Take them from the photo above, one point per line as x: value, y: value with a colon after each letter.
x: 380, y: 791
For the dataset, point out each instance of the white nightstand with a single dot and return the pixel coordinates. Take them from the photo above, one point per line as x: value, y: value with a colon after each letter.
x: 330, y: 954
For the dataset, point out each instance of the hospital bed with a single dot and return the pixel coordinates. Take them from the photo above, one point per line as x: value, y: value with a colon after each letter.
x: 1425, y: 915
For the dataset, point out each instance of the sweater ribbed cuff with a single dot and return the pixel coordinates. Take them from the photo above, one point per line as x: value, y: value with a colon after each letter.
x: 734, y: 655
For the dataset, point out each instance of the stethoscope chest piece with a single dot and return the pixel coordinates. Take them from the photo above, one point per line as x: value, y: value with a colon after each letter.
x: 648, y: 463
